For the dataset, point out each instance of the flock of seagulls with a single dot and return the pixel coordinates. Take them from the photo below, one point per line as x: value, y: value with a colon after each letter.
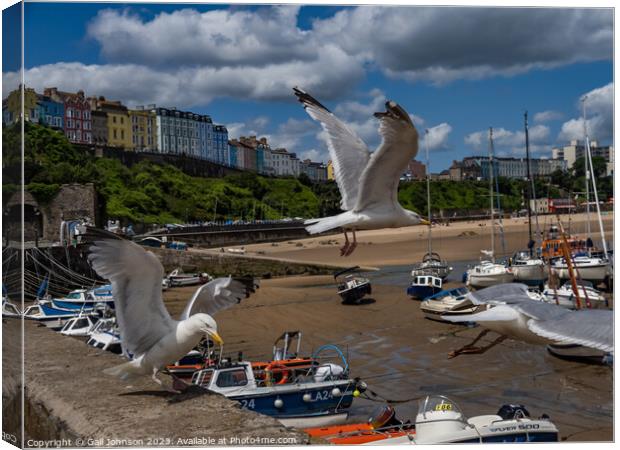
x: 148, y: 332
x: 368, y: 182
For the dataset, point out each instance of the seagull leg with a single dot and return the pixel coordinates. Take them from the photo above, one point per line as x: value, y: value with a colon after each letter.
x: 162, y: 384
x: 353, y: 245
x: 471, y: 348
x: 343, y: 249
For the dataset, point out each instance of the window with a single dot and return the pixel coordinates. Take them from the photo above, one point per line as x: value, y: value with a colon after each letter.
x: 113, y: 119
x: 114, y: 133
x: 122, y: 131
x: 232, y: 378
x: 122, y: 121
x: 78, y: 124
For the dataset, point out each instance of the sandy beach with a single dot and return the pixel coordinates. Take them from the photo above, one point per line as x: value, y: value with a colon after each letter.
x: 401, y: 354
x: 459, y: 241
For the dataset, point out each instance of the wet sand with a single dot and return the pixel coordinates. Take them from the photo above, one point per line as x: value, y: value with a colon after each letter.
x: 402, y: 355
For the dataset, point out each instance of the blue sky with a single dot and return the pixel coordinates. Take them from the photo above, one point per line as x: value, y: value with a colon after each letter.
x: 457, y: 71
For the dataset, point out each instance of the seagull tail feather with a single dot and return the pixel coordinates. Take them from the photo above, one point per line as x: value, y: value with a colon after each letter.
x: 329, y: 223
x: 125, y: 371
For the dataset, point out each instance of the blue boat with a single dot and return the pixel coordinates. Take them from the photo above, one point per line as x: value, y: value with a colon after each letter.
x: 72, y: 306
x: 320, y: 396
x: 423, y: 286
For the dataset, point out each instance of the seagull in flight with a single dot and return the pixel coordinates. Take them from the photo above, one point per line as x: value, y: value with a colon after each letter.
x: 513, y: 314
x: 147, y: 330
x: 368, y: 182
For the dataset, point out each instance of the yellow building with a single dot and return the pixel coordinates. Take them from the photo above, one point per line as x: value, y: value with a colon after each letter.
x: 330, y: 170
x: 143, y: 129
x: 14, y: 105
x: 118, y: 122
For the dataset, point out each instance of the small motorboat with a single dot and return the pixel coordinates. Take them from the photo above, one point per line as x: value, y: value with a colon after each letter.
x: 79, y: 326
x: 352, y: 287
x: 487, y: 274
x: 47, y: 315
x: 106, y: 336
x: 448, y: 302
x: 382, y: 424
x: 565, y: 296
x: 178, y: 278
x: 529, y: 269
x: 441, y: 421
x: 423, y: 286
x: 431, y: 264
x: 9, y: 309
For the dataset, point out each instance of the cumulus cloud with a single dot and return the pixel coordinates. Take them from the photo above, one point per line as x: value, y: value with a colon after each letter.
x: 511, y: 143
x: 436, y: 138
x: 599, y: 117
x: 547, y: 116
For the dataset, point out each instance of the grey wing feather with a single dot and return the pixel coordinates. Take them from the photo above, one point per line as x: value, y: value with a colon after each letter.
x: 135, y: 275
x: 219, y: 294
x: 349, y: 154
x: 496, y: 314
x: 588, y: 327
x: 500, y: 293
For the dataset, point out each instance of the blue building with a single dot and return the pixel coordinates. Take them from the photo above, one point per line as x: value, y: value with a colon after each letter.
x: 232, y: 155
x: 220, y: 137
x: 51, y: 113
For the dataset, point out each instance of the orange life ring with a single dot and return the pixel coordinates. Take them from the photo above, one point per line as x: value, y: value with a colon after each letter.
x: 284, y: 371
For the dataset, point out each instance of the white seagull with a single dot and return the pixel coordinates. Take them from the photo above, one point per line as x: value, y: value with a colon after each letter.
x: 368, y: 182
x: 147, y: 330
x: 512, y: 313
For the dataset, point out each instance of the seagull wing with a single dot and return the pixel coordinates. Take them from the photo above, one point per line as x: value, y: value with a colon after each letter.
x: 379, y: 181
x: 500, y: 293
x: 349, y: 154
x: 136, y: 276
x: 588, y: 327
x: 219, y: 294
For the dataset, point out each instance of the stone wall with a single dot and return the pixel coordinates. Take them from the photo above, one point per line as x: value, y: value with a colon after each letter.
x: 74, y: 201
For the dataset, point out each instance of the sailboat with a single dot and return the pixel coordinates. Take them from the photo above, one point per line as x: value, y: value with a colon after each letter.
x: 593, y: 265
x: 527, y: 267
x: 489, y: 273
x: 432, y: 264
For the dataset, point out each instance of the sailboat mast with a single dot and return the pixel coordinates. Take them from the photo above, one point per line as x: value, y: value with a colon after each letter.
x: 587, y: 165
x: 428, y: 195
x: 598, y: 207
x: 491, y: 193
x: 529, y: 187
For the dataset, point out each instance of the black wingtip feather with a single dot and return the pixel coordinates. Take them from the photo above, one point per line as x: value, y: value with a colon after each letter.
x: 307, y: 99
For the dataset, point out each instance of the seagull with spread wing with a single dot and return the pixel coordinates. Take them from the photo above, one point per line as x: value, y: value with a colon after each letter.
x: 368, y: 182
x: 147, y: 330
x: 512, y: 313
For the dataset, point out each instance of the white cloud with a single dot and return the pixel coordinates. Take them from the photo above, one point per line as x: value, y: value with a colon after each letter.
x: 599, y: 117
x: 547, y: 116
x: 511, y: 143
x: 437, y: 138
x: 313, y: 155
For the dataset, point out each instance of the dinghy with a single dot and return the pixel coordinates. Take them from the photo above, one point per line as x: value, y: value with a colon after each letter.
x: 448, y: 302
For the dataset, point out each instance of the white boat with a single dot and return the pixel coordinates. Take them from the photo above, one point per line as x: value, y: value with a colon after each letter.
x: 178, y: 278
x: 79, y: 326
x: 590, y: 268
x: 105, y: 335
x: 487, y: 274
x: 566, y: 296
x: 352, y: 287
x: 432, y: 265
x: 9, y: 309
x: 441, y: 421
x: 528, y: 269
x: 448, y: 302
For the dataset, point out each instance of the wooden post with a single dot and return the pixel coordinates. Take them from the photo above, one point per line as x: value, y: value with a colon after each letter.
x: 569, y: 264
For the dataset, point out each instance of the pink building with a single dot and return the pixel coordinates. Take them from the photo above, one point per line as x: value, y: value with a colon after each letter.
x: 77, y: 120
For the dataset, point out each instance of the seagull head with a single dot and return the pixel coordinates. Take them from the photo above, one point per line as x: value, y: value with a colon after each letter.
x: 414, y: 218
x: 205, y: 324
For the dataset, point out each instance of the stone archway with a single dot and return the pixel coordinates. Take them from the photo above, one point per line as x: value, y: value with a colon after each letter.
x: 34, y: 218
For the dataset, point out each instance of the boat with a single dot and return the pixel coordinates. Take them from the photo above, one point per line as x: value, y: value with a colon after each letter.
x: 320, y: 397
x: 178, y: 278
x: 382, y: 424
x: 49, y: 316
x: 448, y: 302
x: 79, y: 326
x: 352, y: 287
x: 590, y: 268
x: 489, y: 273
x: 9, y: 309
x: 528, y: 269
x: 424, y: 286
x: 431, y: 264
x: 106, y: 336
x: 565, y: 295
x: 86, y: 298
x: 441, y: 421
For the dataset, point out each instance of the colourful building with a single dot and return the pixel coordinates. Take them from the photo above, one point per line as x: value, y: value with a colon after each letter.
x: 13, y: 110
x: 118, y: 123
x: 77, y: 123
x: 100, y: 128
x: 220, y: 139
x: 330, y: 170
x: 232, y: 154
x: 143, y: 129
x: 51, y: 113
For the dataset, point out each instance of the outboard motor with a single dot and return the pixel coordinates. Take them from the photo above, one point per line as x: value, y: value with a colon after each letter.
x: 508, y: 412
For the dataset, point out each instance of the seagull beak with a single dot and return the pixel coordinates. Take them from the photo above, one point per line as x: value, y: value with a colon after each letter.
x: 216, y: 338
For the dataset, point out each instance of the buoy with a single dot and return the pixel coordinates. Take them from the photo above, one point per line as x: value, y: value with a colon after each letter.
x: 278, y: 403
x: 336, y: 392
x: 307, y: 397
x: 356, y: 393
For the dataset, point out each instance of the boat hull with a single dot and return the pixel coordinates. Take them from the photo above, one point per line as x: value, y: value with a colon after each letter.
x: 531, y: 274
x: 422, y: 292
x: 322, y: 420
x: 594, y: 273
x: 574, y: 352
x: 486, y: 280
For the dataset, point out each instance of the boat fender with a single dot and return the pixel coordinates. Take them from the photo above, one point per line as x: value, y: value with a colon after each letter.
x: 307, y: 397
x: 278, y: 403
x: 336, y: 392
